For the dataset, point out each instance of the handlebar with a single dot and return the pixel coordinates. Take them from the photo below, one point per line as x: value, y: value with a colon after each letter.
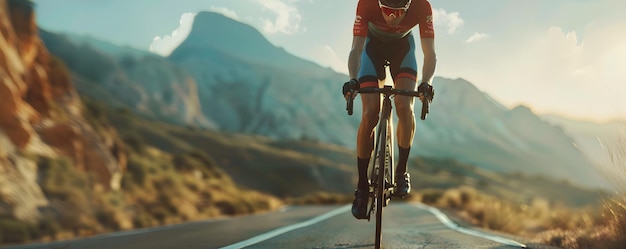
x: 388, y: 91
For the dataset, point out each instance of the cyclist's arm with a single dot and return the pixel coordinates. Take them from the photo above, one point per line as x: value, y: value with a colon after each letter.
x: 354, y: 59
x: 430, y: 59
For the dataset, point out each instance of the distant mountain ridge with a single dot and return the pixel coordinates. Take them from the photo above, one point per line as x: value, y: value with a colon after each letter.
x: 468, y: 125
x: 596, y: 140
x: 241, y: 41
x: 126, y: 77
x: 247, y: 85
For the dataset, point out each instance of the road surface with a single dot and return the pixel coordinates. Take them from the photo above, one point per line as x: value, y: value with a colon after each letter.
x: 405, y: 225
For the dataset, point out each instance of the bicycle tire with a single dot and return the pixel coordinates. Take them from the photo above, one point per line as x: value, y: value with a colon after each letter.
x: 390, y: 170
x: 373, y: 175
x: 380, y: 186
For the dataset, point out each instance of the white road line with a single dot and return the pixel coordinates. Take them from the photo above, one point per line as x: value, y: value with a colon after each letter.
x: 286, y: 229
x: 450, y: 224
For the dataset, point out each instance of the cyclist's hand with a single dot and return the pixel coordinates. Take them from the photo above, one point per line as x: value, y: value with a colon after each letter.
x: 426, y: 91
x: 349, y: 88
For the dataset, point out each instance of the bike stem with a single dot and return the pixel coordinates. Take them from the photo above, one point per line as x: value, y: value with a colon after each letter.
x: 386, y: 108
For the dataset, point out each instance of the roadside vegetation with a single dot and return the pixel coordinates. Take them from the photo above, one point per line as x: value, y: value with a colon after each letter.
x: 541, y: 221
x: 599, y: 224
x: 158, y: 188
x: 608, y: 228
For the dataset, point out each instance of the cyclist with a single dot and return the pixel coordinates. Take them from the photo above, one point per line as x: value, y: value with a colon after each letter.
x: 382, y: 34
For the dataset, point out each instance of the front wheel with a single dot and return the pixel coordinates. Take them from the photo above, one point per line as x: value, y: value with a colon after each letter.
x: 380, y: 184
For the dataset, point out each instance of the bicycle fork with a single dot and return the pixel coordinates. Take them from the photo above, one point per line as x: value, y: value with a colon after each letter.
x: 389, y: 168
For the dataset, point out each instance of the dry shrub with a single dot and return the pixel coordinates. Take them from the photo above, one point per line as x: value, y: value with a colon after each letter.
x: 615, y: 215
x: 608, y: 230
x: 506, y: 216
x: 427, y: 196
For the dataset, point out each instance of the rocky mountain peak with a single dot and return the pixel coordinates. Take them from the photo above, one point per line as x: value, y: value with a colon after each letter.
x: 216, y: 34
x: 40, y: 116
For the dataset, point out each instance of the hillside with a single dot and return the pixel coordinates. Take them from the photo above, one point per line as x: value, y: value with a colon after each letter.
x: 40, y: 120
x: 145, y: 83
x: 256, y: 162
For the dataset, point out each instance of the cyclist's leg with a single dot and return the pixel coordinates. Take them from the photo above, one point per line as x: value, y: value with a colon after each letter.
x: 370, y: 73
x: 404, y: 72
x: 365, y: 136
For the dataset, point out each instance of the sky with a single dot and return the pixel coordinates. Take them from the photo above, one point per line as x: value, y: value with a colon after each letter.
x: 564, y: 57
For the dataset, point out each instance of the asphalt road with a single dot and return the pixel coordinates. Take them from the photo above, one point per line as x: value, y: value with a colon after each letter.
x: 405, y: 225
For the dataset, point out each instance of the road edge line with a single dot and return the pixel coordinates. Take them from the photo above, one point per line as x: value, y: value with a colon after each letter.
x: 450, y: 224
x: 282, y: 230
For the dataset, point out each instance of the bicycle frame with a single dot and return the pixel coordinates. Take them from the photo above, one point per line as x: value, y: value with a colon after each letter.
x: 383, y: 169
x: 382, y: 174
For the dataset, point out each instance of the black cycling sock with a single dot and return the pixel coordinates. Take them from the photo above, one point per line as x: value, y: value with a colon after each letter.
x: 402, y: 159
x: 362, y: 164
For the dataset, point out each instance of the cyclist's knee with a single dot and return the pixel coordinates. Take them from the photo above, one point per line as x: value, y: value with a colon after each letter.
x: 370, y: 117
x: 405, y: 111
x: 404, y: 105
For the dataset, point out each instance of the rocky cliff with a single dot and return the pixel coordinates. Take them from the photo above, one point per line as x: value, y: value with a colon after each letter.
x: 41, y: 117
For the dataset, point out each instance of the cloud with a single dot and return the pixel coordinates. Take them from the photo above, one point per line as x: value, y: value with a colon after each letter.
x: 226, y: 12
x: 452, y: 21
x: 166, y: 44
x: 554, y: 70
x: 477, y: 37
x: 287, y: 19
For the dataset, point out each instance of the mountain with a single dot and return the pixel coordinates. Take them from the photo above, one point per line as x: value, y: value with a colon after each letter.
x: 595, y: 139
x: 239, y: 82
x: 147, y: 83
x: 241, y: 42
x: 467, y: 124
x: 248, y: 85
x: 114, y: 50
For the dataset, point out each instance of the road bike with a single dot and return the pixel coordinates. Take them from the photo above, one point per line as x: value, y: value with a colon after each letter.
x: 382, y: 179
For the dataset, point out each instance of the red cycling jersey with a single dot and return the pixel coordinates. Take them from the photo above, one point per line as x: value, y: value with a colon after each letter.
x: 369, y: 18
